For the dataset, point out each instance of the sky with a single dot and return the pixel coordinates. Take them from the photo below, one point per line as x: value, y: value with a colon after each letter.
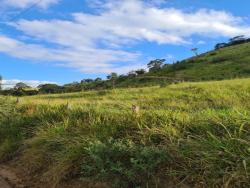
x: 61, y: 41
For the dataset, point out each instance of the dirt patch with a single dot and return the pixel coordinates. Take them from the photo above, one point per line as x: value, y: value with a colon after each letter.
x: 4, y: 183
x: 14, y: 176
x: 9, y: 179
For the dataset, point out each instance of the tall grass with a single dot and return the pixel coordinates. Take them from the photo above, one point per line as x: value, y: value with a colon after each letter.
x: 192, y: 134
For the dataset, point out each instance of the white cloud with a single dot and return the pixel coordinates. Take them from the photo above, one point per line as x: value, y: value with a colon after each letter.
x: 132, y: 20
x: 85, y: 59
x: 27, y: 3
x: 201, y: 42
x: 95, y: 42
x: 32, y: 83
x: 169, y: 57
x: 137, y: 20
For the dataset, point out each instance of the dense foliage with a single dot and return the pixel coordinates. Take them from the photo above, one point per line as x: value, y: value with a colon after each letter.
x: 241, y: 39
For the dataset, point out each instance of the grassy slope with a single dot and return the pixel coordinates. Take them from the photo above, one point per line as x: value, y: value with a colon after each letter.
x: 225, y: 63
x: 195, y: 134
x: 229, y: 62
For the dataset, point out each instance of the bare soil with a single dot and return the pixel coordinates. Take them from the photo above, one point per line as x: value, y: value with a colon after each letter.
x: 11, y: 176
x: 9, y: 179
x: 4, y: 183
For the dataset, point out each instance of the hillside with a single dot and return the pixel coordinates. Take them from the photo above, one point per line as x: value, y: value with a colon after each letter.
x: 225, y: 63
x: 185, y: 134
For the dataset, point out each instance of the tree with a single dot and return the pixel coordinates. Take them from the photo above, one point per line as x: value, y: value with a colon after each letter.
x: 132, y: 74
x: 21, y: 85
x: 98, y: 79
x: 156, y: 65
x: 88, y: 80
x: 1, y: 79
x: 112, y: 76
x: 237, y: 39
x: 220, y: 45
x: 49, y: 88
x: 195, y: 50
x: 140, y: 71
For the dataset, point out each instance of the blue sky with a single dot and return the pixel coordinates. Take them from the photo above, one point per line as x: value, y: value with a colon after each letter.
x: 64, y: 41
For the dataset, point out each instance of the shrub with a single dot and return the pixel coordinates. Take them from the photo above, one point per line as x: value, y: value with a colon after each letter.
x: 128, y: 164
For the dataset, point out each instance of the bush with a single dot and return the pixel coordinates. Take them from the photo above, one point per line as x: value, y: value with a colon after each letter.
x: 219, y: 59
x: 128, y: 164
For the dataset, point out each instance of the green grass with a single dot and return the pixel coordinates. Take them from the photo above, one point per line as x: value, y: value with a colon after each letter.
x: 192, y: 134
x: 225, y: 63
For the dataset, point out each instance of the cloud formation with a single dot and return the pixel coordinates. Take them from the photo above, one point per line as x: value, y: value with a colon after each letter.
x: 32, y: 83
x: 85, y: 59
x: 27, y: 3
x: 97, y: 42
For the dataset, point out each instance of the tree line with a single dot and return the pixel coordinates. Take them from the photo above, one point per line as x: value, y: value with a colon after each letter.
x: 233, y: 41
x: 156, y: 69
x: 111, y: 81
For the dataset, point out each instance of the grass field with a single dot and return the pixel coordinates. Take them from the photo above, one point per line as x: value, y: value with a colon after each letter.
x: 231, y: 62
x: 224, y: 63
x: 187, y: 135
